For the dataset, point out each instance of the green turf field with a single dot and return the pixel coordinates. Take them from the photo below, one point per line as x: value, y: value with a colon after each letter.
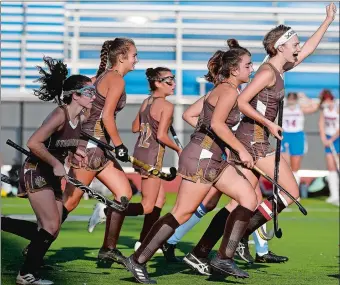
x: 311, y: 243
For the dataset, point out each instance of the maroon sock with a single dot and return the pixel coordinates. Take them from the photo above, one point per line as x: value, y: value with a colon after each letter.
x: 212, y: 234
x: 114, y: 221
x: 149, y: 221
x: 263, y: 214
x: 22, y: 228
x: 134, y: 209
x: 235, y: 227
x: 159, y: 233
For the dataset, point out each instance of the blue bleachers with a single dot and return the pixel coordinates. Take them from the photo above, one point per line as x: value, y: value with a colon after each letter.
x: 311, y: 83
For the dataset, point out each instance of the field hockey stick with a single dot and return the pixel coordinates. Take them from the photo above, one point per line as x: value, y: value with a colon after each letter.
x: 174, y: 135
x: 335, y: 156
x: 149, y: 168
x: 277, y: 230
x: 262, y: 173
x: 119, y: 207
x: 6, y: 179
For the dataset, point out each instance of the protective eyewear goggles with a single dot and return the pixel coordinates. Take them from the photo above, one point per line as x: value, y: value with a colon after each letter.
x: 87, y: 91
x: 170, y: 80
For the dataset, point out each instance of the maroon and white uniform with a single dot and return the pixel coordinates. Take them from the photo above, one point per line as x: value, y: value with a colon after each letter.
x: 203, y: 158
x: 35, y: 174
x: 148, y: 148
x: 254, y: 136
x: 94, y: 126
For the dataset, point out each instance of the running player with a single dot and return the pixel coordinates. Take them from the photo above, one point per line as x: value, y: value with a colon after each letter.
x: 259, y: 103
x: 329, y: 133
x: 152, y: 122
x: 40, y: 175
x: 118, y: 57
x: 201, y: 165
x: 294, y: 144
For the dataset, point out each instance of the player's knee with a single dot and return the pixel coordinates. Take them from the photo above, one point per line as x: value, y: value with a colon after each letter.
x: 148, y: 208
x: 52, y: 227
x: 248, y: 201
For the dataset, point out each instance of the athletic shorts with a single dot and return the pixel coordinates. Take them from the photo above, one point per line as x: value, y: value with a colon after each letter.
x: 37, y: 176
x: 336, y: 144
x: 294, y: 143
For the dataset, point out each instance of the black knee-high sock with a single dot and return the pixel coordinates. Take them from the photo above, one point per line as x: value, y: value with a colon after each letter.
x: 134, y: 209
x: 263, y: 214
x: 36, y: 251
x: 65, y: 214
x: 149, y: 221
x: 114, y: 222
x: 159, y: 233
x: 25, y: 229
x: 212, y: 234
x: 235, y: 227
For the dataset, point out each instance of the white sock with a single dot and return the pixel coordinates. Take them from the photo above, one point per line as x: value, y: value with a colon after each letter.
x: 260, y: 244
x: 297, y: 178
x: 333, y: 184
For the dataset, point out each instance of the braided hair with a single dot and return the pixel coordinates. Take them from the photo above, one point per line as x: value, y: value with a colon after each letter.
x: 110, y: 52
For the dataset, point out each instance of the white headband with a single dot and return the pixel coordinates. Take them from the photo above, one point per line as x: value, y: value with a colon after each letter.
x: 282, y: 40
x: 285, y: 38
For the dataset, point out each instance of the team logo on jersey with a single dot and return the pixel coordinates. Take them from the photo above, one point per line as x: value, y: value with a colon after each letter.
x: 212, y: 174
x: 40, y: 181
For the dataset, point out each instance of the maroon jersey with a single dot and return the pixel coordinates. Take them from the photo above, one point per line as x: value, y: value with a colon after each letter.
x: 254, y: 136
x: 35, y: 174
x: 94, y: 126
x: 203, y: 158
x: 148, y: 148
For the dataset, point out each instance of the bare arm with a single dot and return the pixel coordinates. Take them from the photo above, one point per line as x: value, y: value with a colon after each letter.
x: 312, y: 43
x: 53, y: 122
x: 262, y: 79
x: 136, y: 121
x: 222, y: 109
x: 322, y: 127
x: 116, y: 88
x: 192, y: 113
x: 163, y: 127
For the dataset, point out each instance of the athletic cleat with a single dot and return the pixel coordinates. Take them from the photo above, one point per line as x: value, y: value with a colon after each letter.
x: 31, y: 279
x: 98, y: 217
x: 227, y: 267
x: 270, y: 257
x: 138, y: 244
x: 169, y: 252
x: 243, y: 252
x: 198, y: 264
x: 139, y: 271
x: 106, y: 257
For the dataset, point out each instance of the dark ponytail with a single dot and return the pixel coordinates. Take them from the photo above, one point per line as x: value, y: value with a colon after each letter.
x: 214, y: 64
x: 51, y: 82
x: 55, y: 81
x: 221, y: 64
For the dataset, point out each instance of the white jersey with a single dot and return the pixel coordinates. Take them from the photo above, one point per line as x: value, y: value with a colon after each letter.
x: 293, y: 119
x: 331, y: 120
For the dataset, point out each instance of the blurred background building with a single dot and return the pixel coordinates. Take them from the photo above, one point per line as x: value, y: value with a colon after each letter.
x: 181, y: 35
